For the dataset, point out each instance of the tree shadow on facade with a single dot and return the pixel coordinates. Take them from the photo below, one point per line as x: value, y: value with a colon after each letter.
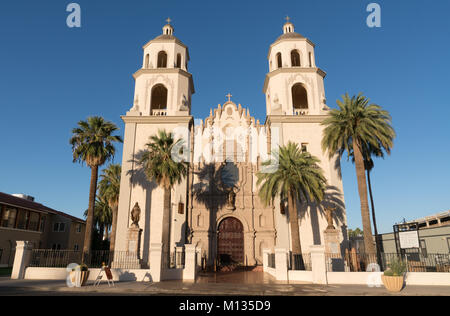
x: 138, y: 178
x: 332, y: 199
x: 212, y: 193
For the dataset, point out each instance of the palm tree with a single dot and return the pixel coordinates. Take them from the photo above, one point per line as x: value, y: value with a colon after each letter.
x: 297, y: 176
x: 102, y: 217
x: 109, y: 189
x: 92, y: 143
x: 159, y: 165
x: 352, y: 127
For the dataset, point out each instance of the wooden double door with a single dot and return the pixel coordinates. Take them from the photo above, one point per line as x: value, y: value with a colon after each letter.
x: 230, y: 241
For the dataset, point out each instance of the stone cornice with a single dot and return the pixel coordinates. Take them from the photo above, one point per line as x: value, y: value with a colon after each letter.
x: 295, y: 119
x: 153, y: 71
x: 319, y: 71
x: 157, y: 119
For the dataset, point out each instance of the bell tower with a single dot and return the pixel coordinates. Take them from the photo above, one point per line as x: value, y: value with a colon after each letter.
x: 164, y: 87
x: 294, y: 85
x: 162, y: 101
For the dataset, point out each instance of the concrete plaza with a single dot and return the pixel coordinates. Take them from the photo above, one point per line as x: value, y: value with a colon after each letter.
x: 234, y: 283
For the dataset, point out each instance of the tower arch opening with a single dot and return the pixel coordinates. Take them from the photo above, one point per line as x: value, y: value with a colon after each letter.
x: 299, y: 97
x: 158, y: 104
x: 147, y: 61
x: 162, y: 59
x: 178, y: 64
x: 279, y: 61
x: 295, y: 58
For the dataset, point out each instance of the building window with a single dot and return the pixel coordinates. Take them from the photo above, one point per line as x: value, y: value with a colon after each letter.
x: 279, y: 61
x: 42, y: 224
x: 423, y: 248
x: 310, y: 60
x: 448, y: 244
x: 59, y: 227
x: 34, y: 221
x: 76, y: 247
x: 56, y: 247
x: 299, y: 97
x: 162, y: 60
x: 295, y: 58
x: 22, y: 219
x: 79, y: 228
x: 9, y: 217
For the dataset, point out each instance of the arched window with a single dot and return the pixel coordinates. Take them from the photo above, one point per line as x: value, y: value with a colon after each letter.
x: 147, y: 61
x: 162, y: 60
x: 310, y: 60
x: 279, y: 61
x: 158, y: 99
x: 299, y: 96
x: 178, y: 65
x: 295, y: 58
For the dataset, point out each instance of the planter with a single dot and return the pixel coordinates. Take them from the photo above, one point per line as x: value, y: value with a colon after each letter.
x: 79, y: 278
x: 393, y: 283
x: 84, y: 277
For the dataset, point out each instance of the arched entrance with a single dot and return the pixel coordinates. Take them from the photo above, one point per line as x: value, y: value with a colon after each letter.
x: 230, y: 241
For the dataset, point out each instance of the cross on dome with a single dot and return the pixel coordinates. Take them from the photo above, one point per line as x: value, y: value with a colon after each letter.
x: 288, y: 27
x: 229, y: 97
x: 168, y: 20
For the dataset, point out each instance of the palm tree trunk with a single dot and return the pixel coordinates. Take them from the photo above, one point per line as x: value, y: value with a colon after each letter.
x: 112, y: 241
x: 166, y: 225
x: 101, y: 231
x: 106, y: 234
x: 377, y: 241
x: 362, y: 190
x: 295, y: 232
x: 90, y: 215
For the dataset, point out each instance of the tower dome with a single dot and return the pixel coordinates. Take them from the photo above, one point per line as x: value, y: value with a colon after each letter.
x: 289, y: 31
x: 168, y: 28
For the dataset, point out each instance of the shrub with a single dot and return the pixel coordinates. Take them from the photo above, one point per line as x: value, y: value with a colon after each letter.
x: 397, y: 267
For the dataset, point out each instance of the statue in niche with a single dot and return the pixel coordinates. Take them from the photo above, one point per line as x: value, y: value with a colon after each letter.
x: 135, y: 215
x: 329, y: 214
x: 276, y: 107
x: 229, y: 179
x: 231, y: 197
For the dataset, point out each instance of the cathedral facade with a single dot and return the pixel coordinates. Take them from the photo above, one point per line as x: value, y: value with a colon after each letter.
x: 216, y: 206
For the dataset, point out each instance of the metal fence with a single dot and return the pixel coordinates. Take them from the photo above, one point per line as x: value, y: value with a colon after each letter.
x: 173, y: 260
x: 361, y: 262
x: 300, y: 262
x: 94, y: 259
x: 271, y: 261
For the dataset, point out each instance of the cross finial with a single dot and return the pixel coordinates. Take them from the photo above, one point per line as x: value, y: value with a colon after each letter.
x: 287, y: 18
x: 169, y: 20
x: 229, y: 97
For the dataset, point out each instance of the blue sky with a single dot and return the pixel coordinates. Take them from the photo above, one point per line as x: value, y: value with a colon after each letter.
x: 52, y: 76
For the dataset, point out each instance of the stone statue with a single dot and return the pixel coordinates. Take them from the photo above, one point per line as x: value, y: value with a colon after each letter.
x: 231, y: 198
x: 135, y: 215
x: 329, y: 214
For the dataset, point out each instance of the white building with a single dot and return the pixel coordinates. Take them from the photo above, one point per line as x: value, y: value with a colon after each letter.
x: 225, y: 152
